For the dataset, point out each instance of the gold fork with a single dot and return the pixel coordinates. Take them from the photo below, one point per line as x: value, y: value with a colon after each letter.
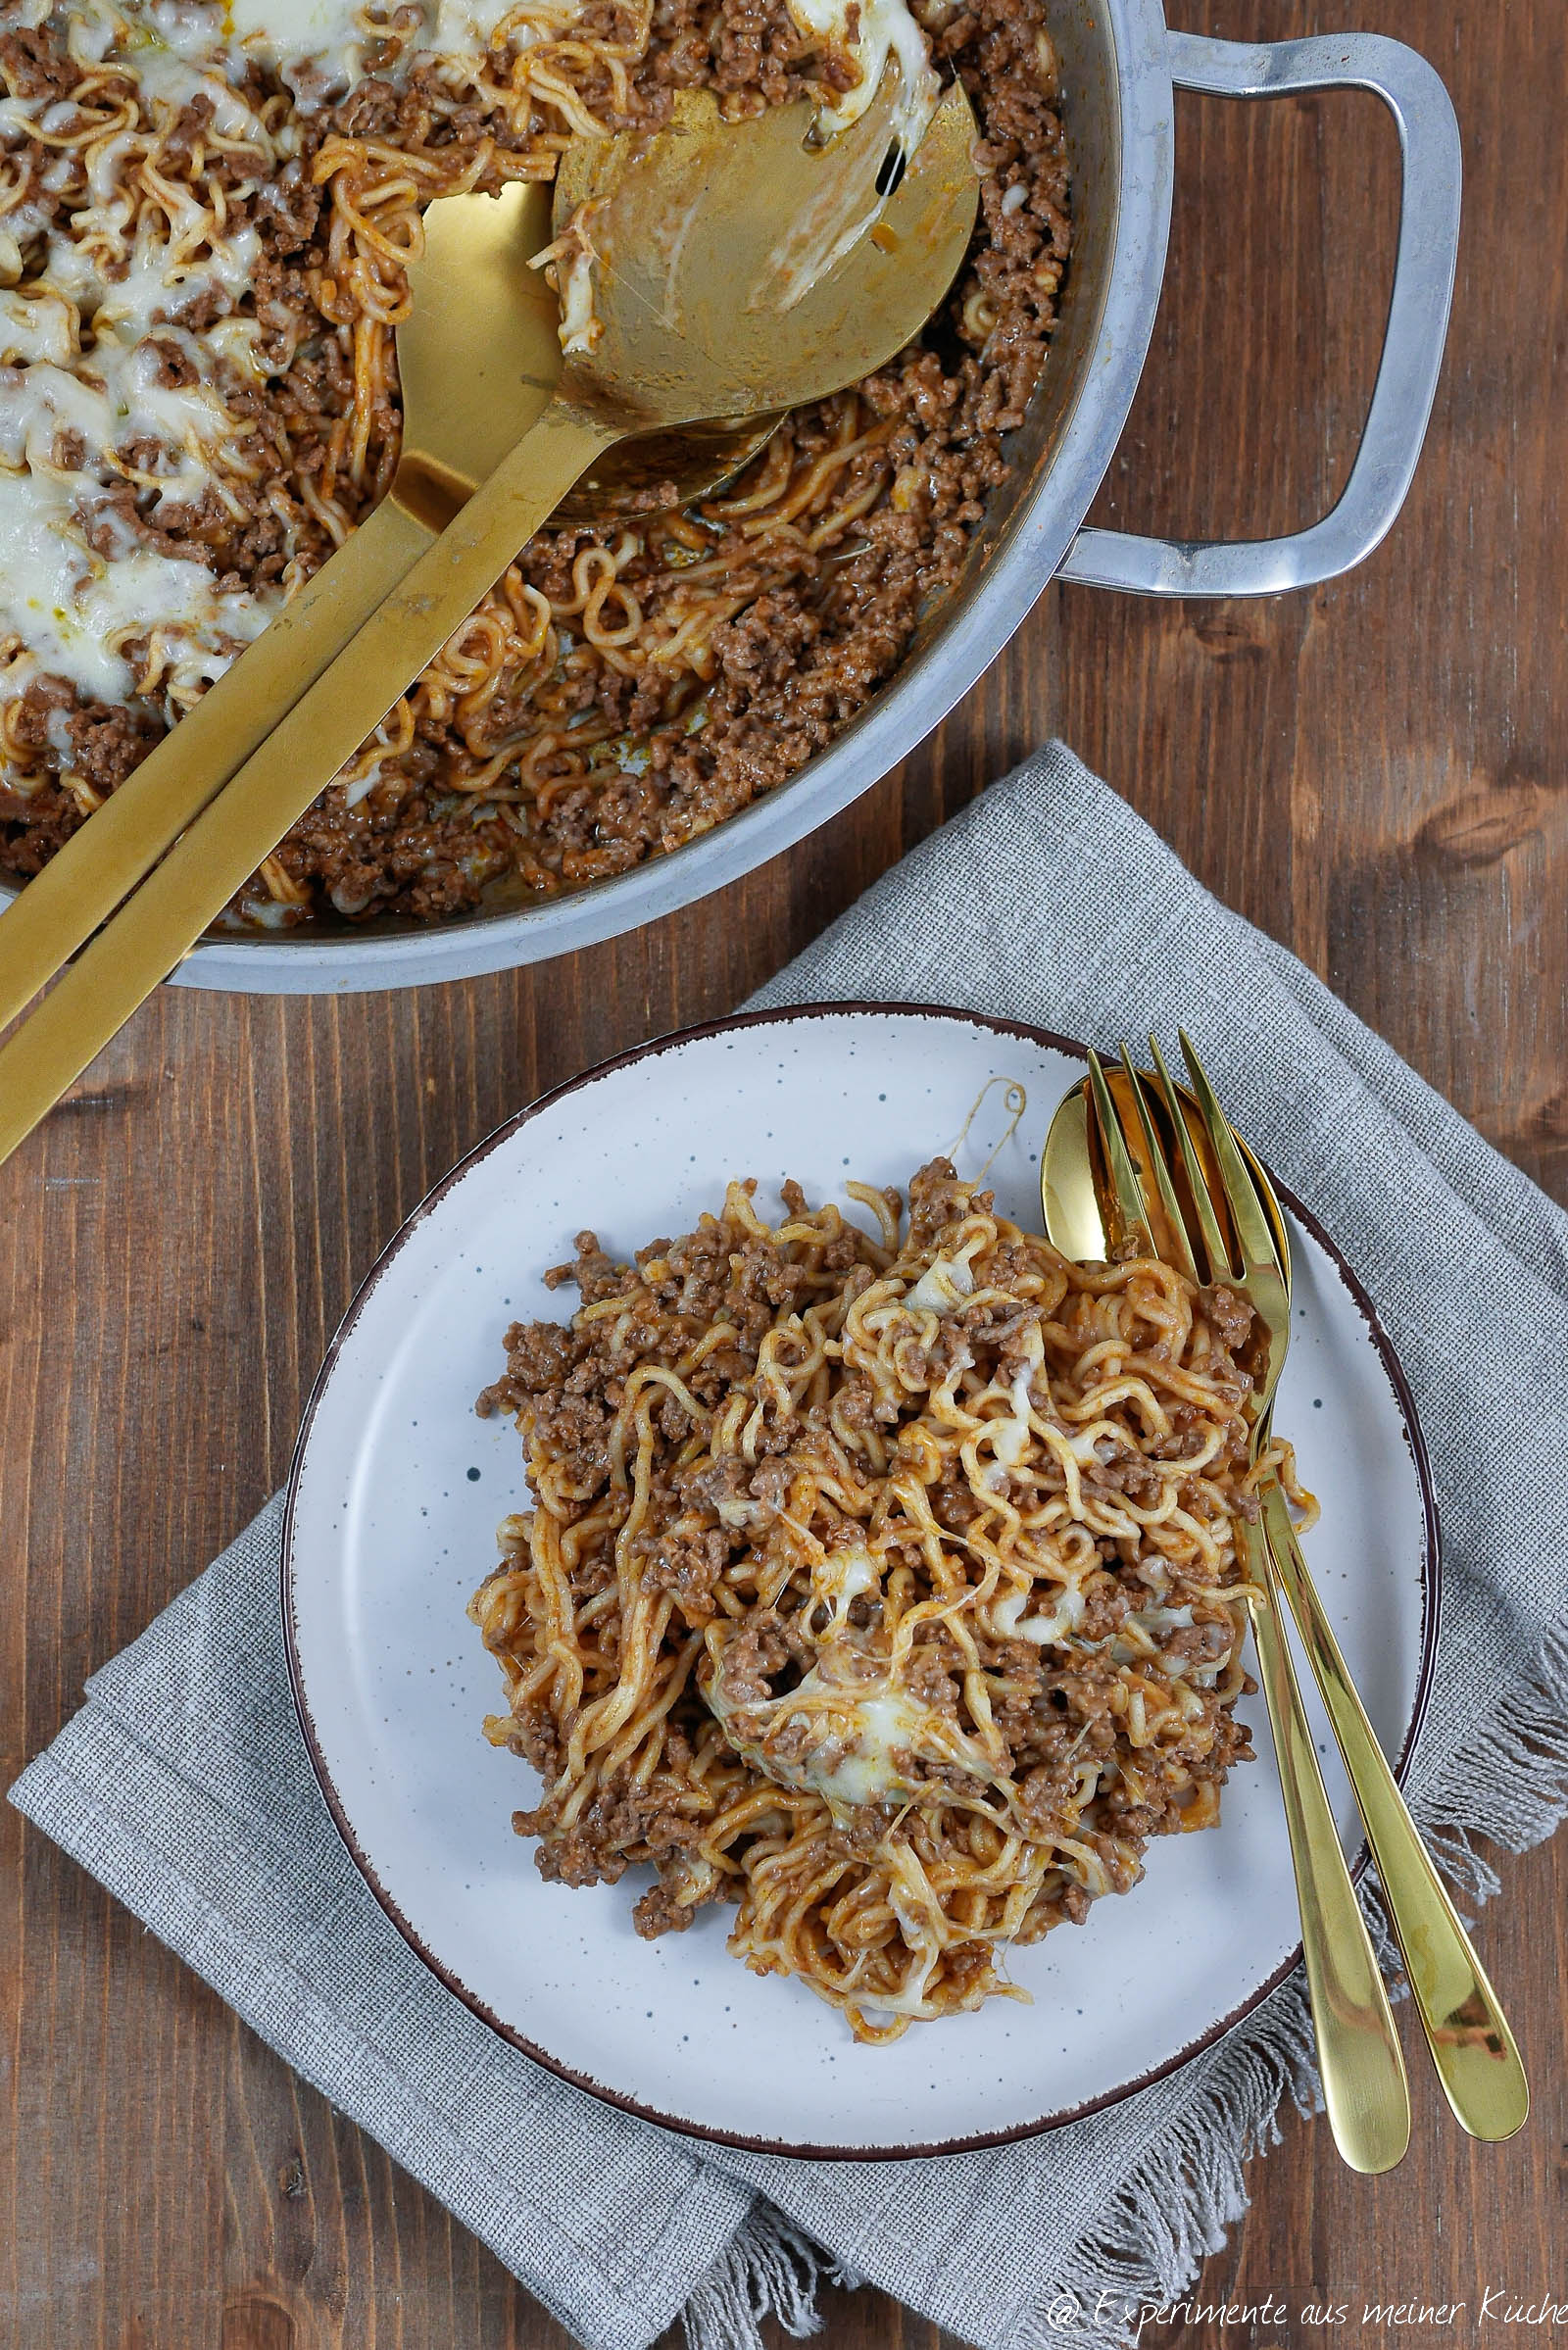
x: 696, y: 327
x: 1474, y: 2052
x: 1364, y: 2085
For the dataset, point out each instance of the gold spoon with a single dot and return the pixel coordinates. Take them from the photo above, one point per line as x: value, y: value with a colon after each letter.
x: 474, y: 293
x: 1473, y: 2049
x: 735, y: 270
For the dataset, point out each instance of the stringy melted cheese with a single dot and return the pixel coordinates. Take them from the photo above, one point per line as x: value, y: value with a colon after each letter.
x: 886, y: 30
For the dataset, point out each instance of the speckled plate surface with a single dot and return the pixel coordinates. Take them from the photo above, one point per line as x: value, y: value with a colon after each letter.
x: 396, y: 1489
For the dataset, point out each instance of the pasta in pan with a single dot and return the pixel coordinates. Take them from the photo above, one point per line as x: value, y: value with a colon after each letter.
x: 207, y: 217
x: 885, y: 1587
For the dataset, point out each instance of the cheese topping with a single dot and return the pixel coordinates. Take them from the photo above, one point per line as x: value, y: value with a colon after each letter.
x: 1065, y: 1618
x: 75, y: 609
x: 844, y: 1576
x: 887, y: 30
x: 320, y: 48
x: 101, y: 394
x: 944, y: 1284
x: 847, y: 1731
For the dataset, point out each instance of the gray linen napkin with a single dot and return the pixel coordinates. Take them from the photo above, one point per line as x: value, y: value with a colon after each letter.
x: 185, y: 1787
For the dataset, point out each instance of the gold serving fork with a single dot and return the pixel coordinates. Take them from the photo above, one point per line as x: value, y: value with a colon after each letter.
x: 1364, y: 2084
x: 738, y: 269
x: 1473, y: 2049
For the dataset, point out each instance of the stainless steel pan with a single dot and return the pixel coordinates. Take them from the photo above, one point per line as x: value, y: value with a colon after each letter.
x: 1120, y: 68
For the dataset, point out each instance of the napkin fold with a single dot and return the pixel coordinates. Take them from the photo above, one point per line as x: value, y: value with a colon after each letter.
x: 184, y: 1784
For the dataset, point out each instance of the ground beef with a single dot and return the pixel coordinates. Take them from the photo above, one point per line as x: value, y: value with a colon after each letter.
x: 1232, y: 1317
x: 33, y: 65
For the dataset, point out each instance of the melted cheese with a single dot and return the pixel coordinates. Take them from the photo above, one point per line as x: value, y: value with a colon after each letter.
x: 842, y: 1730
x: 579, y: 328
x: 74, y: 610
x: 87, y: 330
x: 77, y: 416
x: 1010, y: 1441
x: 168, y: 79
x: 844, y: 1576
x: 944, y: 1284
x: 887, y: 30
x: 320, y: 48
x: 568, y: 264
x: 1011, y: 1624
x: 865, y: 1771
x: 36, y: 325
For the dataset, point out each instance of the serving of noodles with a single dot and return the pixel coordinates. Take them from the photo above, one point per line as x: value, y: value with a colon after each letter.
x: 884, y: 1589
x: 207, y: 217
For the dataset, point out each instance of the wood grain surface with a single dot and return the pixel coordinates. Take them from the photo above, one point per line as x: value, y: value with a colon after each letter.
x: 1371, y: 771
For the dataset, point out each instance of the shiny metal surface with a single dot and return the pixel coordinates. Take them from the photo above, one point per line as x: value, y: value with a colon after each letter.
x: 1211, y: 1217
x: 1413, y: 340
x: 1473, y: 2049
x: 676, y: 215
x: 1118, y: 68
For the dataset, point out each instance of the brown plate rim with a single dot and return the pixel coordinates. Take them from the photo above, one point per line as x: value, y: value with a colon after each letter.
x: 980, y: 2141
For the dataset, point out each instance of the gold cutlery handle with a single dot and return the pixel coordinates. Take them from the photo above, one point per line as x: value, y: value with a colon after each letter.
x: 101, y: 863
x: 1364, y: 2084
x: 1472, y: 2047
x: 244, y: 823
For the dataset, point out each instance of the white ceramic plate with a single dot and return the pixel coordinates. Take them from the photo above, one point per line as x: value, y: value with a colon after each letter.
x: 398, y: 1488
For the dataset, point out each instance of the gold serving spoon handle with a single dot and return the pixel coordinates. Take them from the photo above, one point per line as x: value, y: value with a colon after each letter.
x: 692, y: 322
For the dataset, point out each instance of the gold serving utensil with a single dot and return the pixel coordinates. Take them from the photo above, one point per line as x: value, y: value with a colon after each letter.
x: 736, y: 270
x: 475, y: 295
x: 1363, y: 2070
x: 1473, y: 2049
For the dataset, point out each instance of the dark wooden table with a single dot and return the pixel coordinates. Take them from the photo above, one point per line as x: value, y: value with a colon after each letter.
x: 1371, y: 771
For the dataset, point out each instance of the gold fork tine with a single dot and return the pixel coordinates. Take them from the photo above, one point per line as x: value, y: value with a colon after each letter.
x: 1132, y: 1217
x: 1215, y: 1245
x: 1359, y: 2049
x: 1241, y: 1192
x: 1176, y: 1222
x: 1473, y: 2051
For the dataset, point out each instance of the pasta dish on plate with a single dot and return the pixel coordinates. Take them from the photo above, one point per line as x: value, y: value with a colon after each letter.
x: 885, y: 1587
x: 207, y: 212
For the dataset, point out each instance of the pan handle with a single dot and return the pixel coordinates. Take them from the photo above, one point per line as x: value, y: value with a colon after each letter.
x: 1412, y: 342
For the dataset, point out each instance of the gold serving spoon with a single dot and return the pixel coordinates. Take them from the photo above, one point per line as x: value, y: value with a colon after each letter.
x: 734, y: 270
x: 474, y: 294
x: 1473, y: 2049
x: 1364, y: 2084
